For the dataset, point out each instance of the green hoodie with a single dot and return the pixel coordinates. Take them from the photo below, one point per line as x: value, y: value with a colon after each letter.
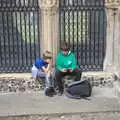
x: 65, y: 61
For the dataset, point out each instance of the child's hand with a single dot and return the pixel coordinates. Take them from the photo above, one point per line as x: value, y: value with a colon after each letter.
x: 70, y: 70
x: 50, y: 61
x: 64, y: 70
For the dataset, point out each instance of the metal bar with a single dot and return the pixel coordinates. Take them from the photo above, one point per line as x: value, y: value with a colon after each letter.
x: 90, y: 45
x: 20, y: 3
x: 73, y: 31
x: 24, y: 3
x: 0, y: 52
x: 79, y: 35
x: 29, y: 3
x: 68, y: 26
x: 94, y: 13
x: 8, y: 48
x: 73, y: 3
x: 81, y: 2
x: 38, y: 25
x: 26, y: 46
x: 104, y: 27
x: 34, y: 34
x: 21, y: 42
x: 13, y: 40
x: 98, y: 38
x: 4, y: 50
x: 82, y: 36
x: 95, y: 2
x: 77, y: 39
x: 60, y: 24
x: 18, y: 55
x: 86, y: 44
x: 38, y: 29
x: 64, y: 25
x: 31, y: 55
x: 86, y: 37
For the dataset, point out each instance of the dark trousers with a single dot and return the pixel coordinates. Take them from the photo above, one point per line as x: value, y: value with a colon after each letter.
x: 59, y: 75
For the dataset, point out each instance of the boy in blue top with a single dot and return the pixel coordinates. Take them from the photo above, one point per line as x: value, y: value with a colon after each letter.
x: 42, y: 67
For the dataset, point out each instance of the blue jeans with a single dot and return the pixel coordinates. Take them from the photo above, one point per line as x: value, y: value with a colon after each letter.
x: 39, y: 73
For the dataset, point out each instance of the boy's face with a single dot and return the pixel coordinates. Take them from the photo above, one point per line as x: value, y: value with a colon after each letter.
x: 65, y: 52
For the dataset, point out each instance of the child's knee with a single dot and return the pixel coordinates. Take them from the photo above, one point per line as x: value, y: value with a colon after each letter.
x: 34, y: 73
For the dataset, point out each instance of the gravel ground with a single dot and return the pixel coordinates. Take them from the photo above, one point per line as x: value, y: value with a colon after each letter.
x: 79, y: 116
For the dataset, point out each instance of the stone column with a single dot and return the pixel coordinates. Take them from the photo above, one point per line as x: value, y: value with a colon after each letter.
x: 49, y: 25
x: 108, y: 63
x: 117, y: 39
x: 112, y: 63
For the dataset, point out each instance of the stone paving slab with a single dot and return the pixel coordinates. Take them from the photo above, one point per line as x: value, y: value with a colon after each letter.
x: 16, y: 75
x: 78, y: 116
x: 102, y: 100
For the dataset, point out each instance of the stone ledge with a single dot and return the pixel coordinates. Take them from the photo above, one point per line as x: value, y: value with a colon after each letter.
x: 24, y: 83
x: 28, y: 75
x: 15, y: 75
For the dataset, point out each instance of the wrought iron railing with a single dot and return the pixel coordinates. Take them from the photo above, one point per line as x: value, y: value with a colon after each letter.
x: 83, y: 25
x: 19, y: 34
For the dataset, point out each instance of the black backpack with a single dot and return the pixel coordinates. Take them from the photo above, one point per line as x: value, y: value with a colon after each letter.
x: 79, y: 89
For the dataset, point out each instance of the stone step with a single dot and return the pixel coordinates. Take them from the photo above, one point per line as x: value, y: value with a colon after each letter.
x: 24, y: 82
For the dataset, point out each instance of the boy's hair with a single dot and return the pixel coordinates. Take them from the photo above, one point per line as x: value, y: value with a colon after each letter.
x: 65, y: 46
x: 47, y: 55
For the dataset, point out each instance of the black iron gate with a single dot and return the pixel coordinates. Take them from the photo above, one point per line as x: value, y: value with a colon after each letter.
x: 83, y: 25
x: 19, y: 38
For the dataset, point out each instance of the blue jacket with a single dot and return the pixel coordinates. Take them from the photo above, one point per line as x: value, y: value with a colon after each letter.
x: 39, y: 63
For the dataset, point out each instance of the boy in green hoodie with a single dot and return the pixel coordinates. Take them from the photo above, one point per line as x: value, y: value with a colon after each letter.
x: 65, y: 65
